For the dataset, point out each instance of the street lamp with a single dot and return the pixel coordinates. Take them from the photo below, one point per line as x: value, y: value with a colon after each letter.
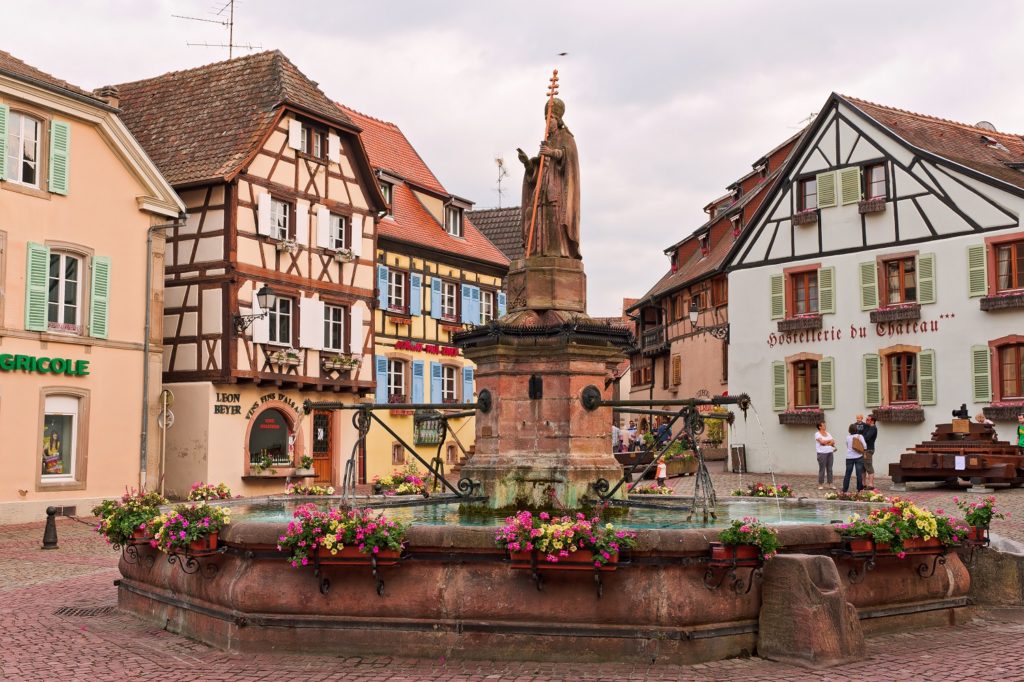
x: 267, y: 299
x: 719, y: 331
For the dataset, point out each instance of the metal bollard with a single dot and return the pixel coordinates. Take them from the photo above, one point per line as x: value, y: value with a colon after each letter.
x: 50, y: 532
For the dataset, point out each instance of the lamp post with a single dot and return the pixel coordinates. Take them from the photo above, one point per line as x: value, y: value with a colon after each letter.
x: 267, y: 299
x: 719, y: 331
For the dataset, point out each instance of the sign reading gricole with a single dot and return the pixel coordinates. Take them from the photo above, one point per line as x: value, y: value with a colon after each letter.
x: 44, y: 365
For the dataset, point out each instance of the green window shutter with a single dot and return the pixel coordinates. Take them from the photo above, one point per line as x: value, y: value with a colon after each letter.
x: 868, y: 285
x: 977, y: 271
x: 778, y: 296
x: 826, y: 189
x: 872, y: 380
x: 826, y: 290
x: 60, y: 144
x: 926, y: 377
x: 99, y: 308
x: 4, y: 109
x: 849, y: 185
x: 779, y: 394
x: 981, y: 374
x: 36, y: 283
x: 826, y: 383
x: 926, y: 278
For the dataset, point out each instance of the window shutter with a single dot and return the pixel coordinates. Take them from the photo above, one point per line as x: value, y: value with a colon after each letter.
x: 977, y: 271
x: 356, y: 237
x: 60, y: 145
x: 302, y: 222
x: 99, y: 301
x: 435, y: 297
x: 417, y: 381
x: 261, y: 326
x: 4, y: 110
x: 381, y: 377
x: 849, y: 185
x: 778, y: 296
x: 333, y: 148
x: 872, y: 380
x: 263, y: 213
x: 382, y: 286
x: 677, y: 370
x: 467, y: 384
x: 502, y: 304
x: 311, y: 323
x: 323, y: 226
x: 356, y: 335
x: 826, y: 183
x: 435, y: 382
x: 465, y: 291
x: 415, y: 293
x: 826, y: 383
x: 295, y: 134
x: 779, y: 393
x: 474, y: 297
x: 36, y: 287
x: 926, y: 278
x: 868, y: 285
x: 926, y: 377
x: 981, y: 374
x: 826, y: 290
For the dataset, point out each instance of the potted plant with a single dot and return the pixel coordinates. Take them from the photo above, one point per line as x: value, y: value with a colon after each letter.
x: 680, y: 460
x: 902, y: 528
x: 335, y: 536
x: 263, y: 463
x: 308, y: 490
x: 764, y: 490
x: 746, y: 539
x: 202, y: 492
x: 860, y: 496
x: 802, y: 416
x: 286, y: 357
x: 191, y: 528
x: 562, y: 542
x: 305, y: 467
x: 978, y: 516
x: 343, y: 255
x: 405, y: 482
x: 652, y: 489
x: 126, y: 521
x: 340, y: 362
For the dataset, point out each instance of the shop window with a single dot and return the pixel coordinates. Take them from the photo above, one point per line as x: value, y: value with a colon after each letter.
x: 1010, y: 266
x: 64, y: 297
x: 396, y: 381
x: 804, y: 287
x: 900, y: 280
x: 807, y: 194
x: 60, y: 438
x: 23, y: 138
x: 270, y: 436
x: 397, y: 291
x: 397, y: 454
x: 874, y: 181
x: 334, y: 328
x: 449, y: 301
x: 805, y: 383
x: 449, y: 384
x: 281, y: 322
x: 902, y: 373
x: 1011, y: 371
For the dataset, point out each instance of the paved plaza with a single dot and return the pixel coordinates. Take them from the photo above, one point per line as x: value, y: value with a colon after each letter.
x: 41, y: 642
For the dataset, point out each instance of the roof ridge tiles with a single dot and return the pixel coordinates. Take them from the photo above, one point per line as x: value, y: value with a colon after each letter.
x: 929, y: 117
x: 348, y: 109
x: 203, y: 67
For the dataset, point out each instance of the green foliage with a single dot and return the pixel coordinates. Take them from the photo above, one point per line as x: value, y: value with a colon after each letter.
x: 751, y: 531
x: 119, y: 519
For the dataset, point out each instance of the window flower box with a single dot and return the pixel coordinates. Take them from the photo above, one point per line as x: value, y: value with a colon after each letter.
x: 1007, y: 300
x: 876, y: 205
x: 288, y: 245
x: 806, y: 217
x: 1004, y: 411
x: 800, y: 323
x: 343, y: 256
x: 286, y: 357
x: 910, y: 413
x: 340, y: 362
x: 806, y: 417
x: 897, y: 313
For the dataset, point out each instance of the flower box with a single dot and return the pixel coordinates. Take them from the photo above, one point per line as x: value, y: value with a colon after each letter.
x: 801, y: 323
x: 287, y: 245
x: 350, y: 555
x: 859, y: 545
x: 580, y: 560
x: 876, y: 205
x: 915, y: 546
x: 681, y: 467
x: 801, y: 418
x: 897, y: 313
x: 1005, y: 301
x: 286, y: 358
x: 341, y: 363
x: 343, y: 256
x: 204, y: 545
x: 978, y: 535
x: 912, y: 414
x: 140, y: 537
x: 741, y: 555
x: 806, y: 217
x: 1003, y: 413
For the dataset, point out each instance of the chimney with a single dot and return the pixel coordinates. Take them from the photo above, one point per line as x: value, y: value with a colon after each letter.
x: 109, y: 94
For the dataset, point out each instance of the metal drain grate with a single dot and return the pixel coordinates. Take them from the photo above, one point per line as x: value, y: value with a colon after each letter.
x: 78, y: 612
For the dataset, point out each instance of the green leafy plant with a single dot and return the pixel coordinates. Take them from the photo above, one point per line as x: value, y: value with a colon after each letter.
x: 764, y: 490
x: 264, y: 463
x: 305, y: 490
x: 714, y: 432
x: 202, y: 492
x: 902, y: 521
x: 979, y: 514
x: 558, y: 537
x: 188, y: 523
x: 751, y: 531
x: 306, y: 462
x: 119, y: 519
x: 331, y: 530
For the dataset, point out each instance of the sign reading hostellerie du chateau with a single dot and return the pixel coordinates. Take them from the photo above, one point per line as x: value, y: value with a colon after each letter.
x: 833, y: 333
x: 43, y: 365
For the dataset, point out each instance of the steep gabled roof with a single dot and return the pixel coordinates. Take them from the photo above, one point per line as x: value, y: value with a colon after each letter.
x: 11, y: 65
x: 503, y: 227
x: 203, y: 123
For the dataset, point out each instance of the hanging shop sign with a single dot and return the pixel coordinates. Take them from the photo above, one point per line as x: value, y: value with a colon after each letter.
x: 44, y: 365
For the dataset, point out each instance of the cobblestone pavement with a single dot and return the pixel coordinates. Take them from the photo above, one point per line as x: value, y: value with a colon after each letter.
x: 38, y: 644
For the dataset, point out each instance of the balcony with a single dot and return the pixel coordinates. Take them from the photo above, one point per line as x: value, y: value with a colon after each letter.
x: 654, y: 340
x: 1007, y: 300
x: 904, y: 312
x: 800, y: 323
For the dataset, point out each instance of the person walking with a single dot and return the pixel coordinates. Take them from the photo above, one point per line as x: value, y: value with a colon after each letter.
x: 824, y: 448
x: 870, y: 434
x: 855, y: 448
x: 1020, y: 434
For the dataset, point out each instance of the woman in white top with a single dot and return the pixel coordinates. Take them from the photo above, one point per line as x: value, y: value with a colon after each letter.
x: 824, y: 448
x: 855, y: 447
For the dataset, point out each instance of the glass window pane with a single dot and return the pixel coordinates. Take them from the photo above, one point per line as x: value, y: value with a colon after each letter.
x: 57, y: 445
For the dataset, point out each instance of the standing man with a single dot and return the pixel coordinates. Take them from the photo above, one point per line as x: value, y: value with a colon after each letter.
x: 1020, y: 434
x: 870, y: 433
x: 616, y: 438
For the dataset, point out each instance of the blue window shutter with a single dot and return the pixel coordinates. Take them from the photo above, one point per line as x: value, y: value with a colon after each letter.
x: 4, y: 109
x: 501, y: 303
x: 382, y: 286
x: 435, y: 297
x: 60, y: 143
x: 474, y: 295
x: 417, y: 381
x: 435, y: 382
x: 36, y: 286
x: 415, y: 293
x: 467, y: 304
x: 467, y: 384
x: 381, y: 364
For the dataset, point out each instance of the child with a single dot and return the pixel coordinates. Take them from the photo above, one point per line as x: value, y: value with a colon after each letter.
x: 661, y: 473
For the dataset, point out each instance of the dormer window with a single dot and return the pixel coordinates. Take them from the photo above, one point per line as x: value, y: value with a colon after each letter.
x: 705, y: 244
x: 761, y: 168
x: 385, y: 190
x: 737, y: 224
x: 453, y: 221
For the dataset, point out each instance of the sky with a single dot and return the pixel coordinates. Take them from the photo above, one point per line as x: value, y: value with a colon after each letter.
x: 669, y: 102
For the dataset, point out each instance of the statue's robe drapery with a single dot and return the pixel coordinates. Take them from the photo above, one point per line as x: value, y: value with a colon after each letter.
x: 556, y: 231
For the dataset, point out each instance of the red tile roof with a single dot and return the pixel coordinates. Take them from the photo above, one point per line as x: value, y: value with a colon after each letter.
x: 15, y: 67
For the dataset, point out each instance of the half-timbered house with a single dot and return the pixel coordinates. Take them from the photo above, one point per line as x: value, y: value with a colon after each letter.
x: 269, y: 284
x: 436, y: 275
x: 883, y: 274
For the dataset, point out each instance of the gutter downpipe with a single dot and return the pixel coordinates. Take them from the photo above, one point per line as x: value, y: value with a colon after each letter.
x: 144, y: 433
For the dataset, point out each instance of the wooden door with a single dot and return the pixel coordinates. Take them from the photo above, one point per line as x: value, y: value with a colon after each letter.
x: 323, y: 447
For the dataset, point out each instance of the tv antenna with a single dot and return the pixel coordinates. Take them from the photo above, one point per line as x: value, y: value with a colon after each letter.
x: 227, y: 21
x: 502, y: 174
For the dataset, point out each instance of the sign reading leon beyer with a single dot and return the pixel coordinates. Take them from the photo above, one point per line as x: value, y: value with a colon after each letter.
x: 44, y: 365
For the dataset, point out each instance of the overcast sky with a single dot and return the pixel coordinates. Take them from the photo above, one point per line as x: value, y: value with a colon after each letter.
x: 669, y: 101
